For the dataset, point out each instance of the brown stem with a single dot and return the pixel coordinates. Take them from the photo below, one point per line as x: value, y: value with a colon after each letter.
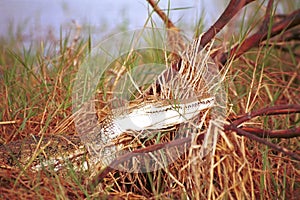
x: 128, y: 156
x: 265, y: 142
x: 262, y: 133
x: 231, y: 10
x: 274, y: 110
x: 175, y: 40
x: 187, y: 140
x: 288, y: 22
x: 169, y: 24
x: 251, y: 133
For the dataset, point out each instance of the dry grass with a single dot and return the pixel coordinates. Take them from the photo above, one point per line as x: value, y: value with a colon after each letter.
x: 36, y: 99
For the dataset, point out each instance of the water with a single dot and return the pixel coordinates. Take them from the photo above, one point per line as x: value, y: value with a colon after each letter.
x: 39, y: 18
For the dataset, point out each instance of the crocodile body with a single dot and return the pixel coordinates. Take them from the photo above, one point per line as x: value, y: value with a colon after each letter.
x: 57, y: 151
x: 36, y: 153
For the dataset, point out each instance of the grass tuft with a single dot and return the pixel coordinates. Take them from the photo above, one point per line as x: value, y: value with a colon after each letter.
x: 35, y: 100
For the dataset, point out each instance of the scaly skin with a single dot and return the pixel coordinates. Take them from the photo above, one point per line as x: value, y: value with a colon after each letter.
x: 58, y: 151
x: 51, y: 150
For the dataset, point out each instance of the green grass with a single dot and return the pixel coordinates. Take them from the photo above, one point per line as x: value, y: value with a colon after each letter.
x: 36, y: 98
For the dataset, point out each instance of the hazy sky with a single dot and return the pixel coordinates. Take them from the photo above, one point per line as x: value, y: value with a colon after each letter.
x: 36, y: 17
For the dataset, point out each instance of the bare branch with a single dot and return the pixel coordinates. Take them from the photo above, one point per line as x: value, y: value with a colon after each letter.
x: 175, y: 40
x: 169, y: 24
x: 231, y: 10
x: 251, y: 133
x: 265, y: 142
x: 289, y: 133
x: 288, y: 22
x: 274, y: 110
x: 175, y: 143
x: 255, y: 134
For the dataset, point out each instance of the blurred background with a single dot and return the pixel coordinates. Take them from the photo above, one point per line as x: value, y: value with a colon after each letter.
x: 39, y: 19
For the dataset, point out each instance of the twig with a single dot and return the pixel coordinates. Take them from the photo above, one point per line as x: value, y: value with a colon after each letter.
x: 274, y: 110
x: 231, y: 10
x: 262, y: 133
x: 169, y: 24
x: 128, y: 156
x: 288, y: 22
x: 265, y: 142
x: 251, y: 133
x: 175, y: 43
x: 256, y: 134
x: 175, y: 40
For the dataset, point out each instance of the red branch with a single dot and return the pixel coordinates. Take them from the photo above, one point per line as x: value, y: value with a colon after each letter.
x: 289, y: 133
x: 251, y: 133
x: 274, y: 110
x: 256, y: 134
x: 231, y: 10
x: 265, y: 142
x: 286, y: 23
x: 128, y: 156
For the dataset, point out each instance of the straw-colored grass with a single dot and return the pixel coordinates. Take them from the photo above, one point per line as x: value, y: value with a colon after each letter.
x: 35, y: 98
